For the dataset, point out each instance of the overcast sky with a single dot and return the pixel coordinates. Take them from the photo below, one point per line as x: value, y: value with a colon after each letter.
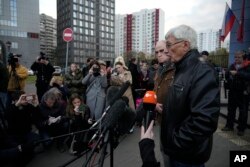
x: 200, y: 14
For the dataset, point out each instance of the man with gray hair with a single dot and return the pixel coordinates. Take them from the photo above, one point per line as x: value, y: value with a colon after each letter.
x: 191, y: 110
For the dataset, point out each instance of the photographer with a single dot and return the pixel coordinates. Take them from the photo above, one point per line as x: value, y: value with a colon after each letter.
x: 44, y: 71
x: 21, y: 115
x: 17, y: 75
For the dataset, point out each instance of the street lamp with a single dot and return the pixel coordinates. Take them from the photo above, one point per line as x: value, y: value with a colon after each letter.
x: 8, y: 44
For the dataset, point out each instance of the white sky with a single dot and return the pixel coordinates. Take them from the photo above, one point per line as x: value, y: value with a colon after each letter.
x: 200, y: 14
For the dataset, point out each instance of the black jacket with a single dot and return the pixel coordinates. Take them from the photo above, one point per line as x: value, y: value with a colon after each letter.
x: 43, y: 72
x: 4, y: 77
x: 240, y: 81
x: 191, y: 111
x: 147, y: 153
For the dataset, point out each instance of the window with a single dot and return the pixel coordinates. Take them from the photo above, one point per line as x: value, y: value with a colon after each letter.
x: 1, y: 7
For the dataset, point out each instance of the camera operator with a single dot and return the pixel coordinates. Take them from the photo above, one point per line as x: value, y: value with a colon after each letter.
x: 17, y: 75
x: 44, y: 71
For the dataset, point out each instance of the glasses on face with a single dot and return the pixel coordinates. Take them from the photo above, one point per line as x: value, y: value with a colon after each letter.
x: 160, y: 51
x: 169, y: 45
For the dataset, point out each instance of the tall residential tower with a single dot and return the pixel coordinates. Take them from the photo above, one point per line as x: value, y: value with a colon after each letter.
x: 48, y: 36
x: 139, y: 31
x: 93, y: 26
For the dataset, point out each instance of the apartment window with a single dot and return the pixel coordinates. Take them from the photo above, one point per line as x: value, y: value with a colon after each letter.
x: 86, y: 24
x: 86, y: 31
x: 80, y: 9
x: 92, y: 4
x: 1, y: 7
x: 80, y: 23
x: 81, y: 16
x: 74, y: 7
x: 14, y: 45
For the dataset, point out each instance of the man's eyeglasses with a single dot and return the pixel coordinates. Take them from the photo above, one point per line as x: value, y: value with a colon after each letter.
x: 169, y: 45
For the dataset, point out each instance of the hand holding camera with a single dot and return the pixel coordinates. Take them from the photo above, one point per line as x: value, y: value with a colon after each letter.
x: 21, y: 101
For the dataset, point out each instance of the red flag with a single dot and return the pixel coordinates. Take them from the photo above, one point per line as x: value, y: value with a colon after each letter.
x: 227, y: 23
x: 240, y: 31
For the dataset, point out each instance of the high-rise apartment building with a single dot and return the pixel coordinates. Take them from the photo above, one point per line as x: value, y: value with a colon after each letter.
x: 93, y: 26
x: 19, y: 26
x: 139, y: 31
x: 208, y: 40
x: 48, y: 36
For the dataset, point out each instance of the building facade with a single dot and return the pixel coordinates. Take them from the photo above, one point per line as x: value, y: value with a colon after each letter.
x: 208, y: 40
x: 93, y: 27
x: 48, y: 36
x: 235, y: 45
x: 19, y: 26
x: 139, y: 31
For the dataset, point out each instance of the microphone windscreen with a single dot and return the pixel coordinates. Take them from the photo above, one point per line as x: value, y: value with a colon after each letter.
x: 150, y: 97
x: 111, y: 92
x: 127, y: 120
x: 119, y: 93
x: 115, y: 113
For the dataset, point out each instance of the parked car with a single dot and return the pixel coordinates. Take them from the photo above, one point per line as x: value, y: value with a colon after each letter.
x: 58, y: 70
x: 30, y: 72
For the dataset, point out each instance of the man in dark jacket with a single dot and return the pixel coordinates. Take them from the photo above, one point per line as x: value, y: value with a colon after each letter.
x: 191, y: 111
x: 236, y: 78
x: 44, y: 71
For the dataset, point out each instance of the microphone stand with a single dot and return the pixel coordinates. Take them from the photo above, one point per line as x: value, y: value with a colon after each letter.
x: 106, y: 138
x: 92, y: 151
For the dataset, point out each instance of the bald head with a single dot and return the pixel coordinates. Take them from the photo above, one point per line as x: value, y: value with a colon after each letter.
x: 161, y: 51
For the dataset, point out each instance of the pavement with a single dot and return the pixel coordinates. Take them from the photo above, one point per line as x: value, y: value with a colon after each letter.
x: 127, y: 152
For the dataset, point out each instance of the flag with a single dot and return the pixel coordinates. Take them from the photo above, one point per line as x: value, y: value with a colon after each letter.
x: 228, y: 22
x: 240, y: 31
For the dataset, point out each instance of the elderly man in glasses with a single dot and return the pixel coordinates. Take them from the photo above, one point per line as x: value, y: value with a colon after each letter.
x: 191, y: 110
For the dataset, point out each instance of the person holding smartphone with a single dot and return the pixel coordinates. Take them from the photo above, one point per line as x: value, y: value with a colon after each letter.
x: 21, y: 115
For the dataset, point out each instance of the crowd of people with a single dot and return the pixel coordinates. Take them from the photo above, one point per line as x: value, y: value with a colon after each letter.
x: 188, y: 102
x: 61, y: 105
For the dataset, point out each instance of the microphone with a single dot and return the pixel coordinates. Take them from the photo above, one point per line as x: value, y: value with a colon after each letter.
x: 110, y: 102
x: 149, y: 102
x: 112, y: 117
x: 119, y: 94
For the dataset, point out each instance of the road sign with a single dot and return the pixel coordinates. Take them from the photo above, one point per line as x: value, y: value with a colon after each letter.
x: 67, y: 34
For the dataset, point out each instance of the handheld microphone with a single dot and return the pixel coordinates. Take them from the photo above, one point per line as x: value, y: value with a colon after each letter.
x: 149, y: 102
x: 110, y: 102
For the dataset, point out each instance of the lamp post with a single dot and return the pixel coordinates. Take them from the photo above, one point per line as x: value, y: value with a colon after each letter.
x: 8, y: 44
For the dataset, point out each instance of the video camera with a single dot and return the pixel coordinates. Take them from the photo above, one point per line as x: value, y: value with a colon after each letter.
x: 12, y: 59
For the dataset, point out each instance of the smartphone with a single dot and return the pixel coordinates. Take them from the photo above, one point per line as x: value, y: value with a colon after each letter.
x: 29, y: 97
